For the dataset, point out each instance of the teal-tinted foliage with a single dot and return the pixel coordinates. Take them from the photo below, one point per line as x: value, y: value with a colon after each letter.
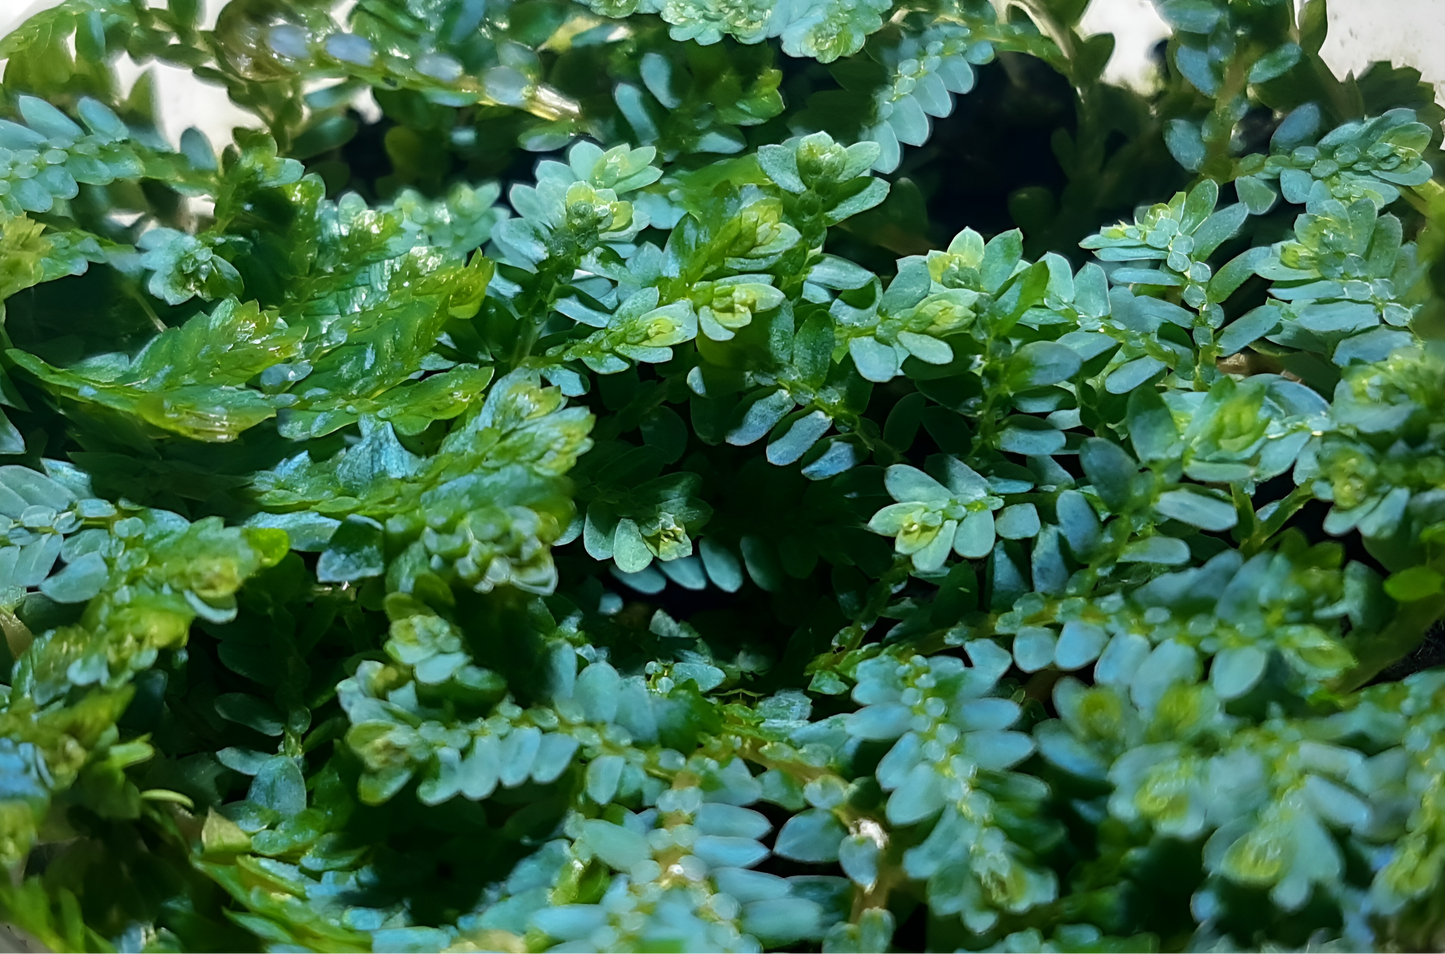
x: 719, y: 475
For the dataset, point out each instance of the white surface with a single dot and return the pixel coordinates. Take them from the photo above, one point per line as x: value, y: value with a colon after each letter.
x: 1136, y: 28
x: 13, y: 942
x: 1403, y: 31
x: 183, y: 100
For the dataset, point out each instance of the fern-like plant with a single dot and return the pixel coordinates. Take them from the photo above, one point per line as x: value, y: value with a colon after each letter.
x: 719, y: 475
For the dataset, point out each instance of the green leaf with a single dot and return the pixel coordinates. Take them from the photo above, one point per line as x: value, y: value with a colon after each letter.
x: 722, y: 566
x: 254, y: 714
x: 629, y: 549
x: 1258, y: 197
x: 1249, y: 328
x: 1162, y: 550
x: 279, y: 786
x: 1237, y: 270
x: 875, y: 361
x: 1237, y: 670
x: 801, y: 434
x: 1197, y: 508
x: 1152, y: 430
x: 1275, y: 63
x: 813, y: 350
x: 908, y: 484
x: 1218, y: 228
x: 1031, y: 437
x: 11, y: 441
x: 814, y: 836
x: 1313, y: 23
x: 760, y: 416
x: 353, y: 553
x: 1042, y: 363
x: 81, y: 580
x: 975, y: 536
x: 1185, y: 143
x: 1192, y: 16
x: 1017, y: 522
x: 1414, y: 583
x: 1110, y: 470
x: 1134, y: 374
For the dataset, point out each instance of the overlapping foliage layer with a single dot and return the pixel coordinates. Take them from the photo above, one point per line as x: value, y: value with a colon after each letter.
x: 552, y: 516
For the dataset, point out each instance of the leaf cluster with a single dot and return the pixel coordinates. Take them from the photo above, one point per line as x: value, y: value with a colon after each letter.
x: 700, y: 475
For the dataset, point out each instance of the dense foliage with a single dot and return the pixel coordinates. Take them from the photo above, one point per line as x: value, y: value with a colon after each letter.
x: 553, y: 516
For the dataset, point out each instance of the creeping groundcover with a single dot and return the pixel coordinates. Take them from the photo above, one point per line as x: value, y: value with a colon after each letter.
x: 718, y: 475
